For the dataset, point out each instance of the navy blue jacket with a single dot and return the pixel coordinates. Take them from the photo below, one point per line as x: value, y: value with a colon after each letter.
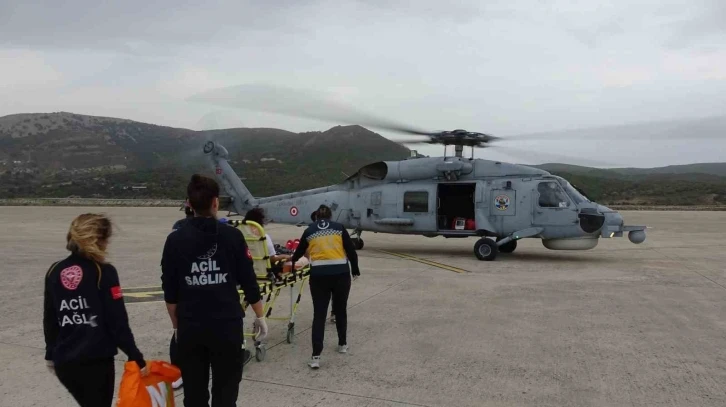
x: 202, y: 266
x: 84, y: 313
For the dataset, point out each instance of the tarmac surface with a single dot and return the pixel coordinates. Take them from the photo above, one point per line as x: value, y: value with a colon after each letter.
x: 620, y: 325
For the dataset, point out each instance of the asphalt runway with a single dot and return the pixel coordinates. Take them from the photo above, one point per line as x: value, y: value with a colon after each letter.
x: 620, y: 325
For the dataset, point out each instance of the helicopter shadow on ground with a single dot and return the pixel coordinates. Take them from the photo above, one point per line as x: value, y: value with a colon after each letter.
x: 522, y: 256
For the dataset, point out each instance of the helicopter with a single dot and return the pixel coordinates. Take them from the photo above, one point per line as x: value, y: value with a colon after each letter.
x: 496, y: 202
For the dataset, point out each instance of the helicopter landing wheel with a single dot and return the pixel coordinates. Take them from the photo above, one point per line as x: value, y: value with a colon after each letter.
x: 357, y: 243
x: 486, y: 249
x: 507, y: 247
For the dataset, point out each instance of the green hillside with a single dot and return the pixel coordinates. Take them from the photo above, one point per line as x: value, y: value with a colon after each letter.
x: 65, y: 154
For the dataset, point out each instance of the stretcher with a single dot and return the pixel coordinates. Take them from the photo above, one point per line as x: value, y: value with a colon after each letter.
x: 271, y: 283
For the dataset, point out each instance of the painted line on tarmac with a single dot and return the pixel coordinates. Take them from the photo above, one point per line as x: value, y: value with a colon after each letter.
x: 424, y: 261
x: 134, y: 290
x: 137, y: 295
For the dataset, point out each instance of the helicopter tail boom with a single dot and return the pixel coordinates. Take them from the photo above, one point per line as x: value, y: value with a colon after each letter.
x: 241, y: 197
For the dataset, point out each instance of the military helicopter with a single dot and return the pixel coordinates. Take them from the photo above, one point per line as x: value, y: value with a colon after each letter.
x: 450, y: 196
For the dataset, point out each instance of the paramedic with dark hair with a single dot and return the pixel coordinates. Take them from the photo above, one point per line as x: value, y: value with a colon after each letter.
x: 331, y: 250
x: 85, y: 319
x: 202, y: 265
x: 189, y: 214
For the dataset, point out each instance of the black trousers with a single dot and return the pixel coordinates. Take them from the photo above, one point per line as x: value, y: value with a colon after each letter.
x: 322, y: 289
x: 174, y: 352
x: 218, y: 346
x: 91, y: 383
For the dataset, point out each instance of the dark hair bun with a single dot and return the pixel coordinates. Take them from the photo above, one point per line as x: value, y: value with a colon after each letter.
x: 196, y: 178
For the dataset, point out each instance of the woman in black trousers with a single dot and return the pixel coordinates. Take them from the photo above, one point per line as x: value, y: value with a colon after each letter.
x: 84, y: 316
x: 332, y: 261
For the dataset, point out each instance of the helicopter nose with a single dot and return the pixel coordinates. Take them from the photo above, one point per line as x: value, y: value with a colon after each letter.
x: 613, y: 225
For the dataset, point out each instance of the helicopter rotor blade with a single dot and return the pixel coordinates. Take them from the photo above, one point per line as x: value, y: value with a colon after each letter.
x: 551, y: 157
x: 657, y: 132
x: 411, y: 141
x: 297, y: 103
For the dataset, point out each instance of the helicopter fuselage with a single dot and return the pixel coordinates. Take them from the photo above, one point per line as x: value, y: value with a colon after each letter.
x: 445, y: 196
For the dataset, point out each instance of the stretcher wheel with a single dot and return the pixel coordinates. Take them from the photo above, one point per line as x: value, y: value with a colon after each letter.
x: 290, y: 334
x: 247, y: 357
x: 260, y: 353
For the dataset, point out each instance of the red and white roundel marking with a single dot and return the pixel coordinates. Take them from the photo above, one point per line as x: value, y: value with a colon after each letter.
x: 293, y: 211
x: 71, y: 277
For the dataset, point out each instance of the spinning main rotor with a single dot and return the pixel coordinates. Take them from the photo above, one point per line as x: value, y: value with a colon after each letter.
x: 293, y: 102
x: 304, y: 104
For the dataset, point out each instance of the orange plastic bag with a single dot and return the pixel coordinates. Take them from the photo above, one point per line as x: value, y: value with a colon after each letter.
x: 153, y: 390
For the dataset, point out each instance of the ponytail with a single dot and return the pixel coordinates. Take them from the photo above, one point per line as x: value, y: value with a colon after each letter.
x: 88, y: 236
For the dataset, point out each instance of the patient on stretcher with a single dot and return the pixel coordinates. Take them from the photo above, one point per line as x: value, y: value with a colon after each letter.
x: 279, y: 261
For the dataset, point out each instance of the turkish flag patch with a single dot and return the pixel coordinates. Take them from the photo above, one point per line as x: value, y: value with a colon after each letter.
x: 249, y: 254
x: 116, y: 292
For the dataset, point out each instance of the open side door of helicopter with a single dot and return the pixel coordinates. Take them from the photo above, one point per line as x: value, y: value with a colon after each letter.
x: 456, y: 205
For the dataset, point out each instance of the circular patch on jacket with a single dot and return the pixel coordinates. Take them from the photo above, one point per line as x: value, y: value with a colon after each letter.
x: 71, y: 277
x: 208, y: 255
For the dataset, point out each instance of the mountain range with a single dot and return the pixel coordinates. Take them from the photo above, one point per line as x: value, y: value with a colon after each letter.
x: 65, y: 154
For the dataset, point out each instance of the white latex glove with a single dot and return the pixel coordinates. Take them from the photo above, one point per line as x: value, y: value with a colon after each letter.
x: 260, y: 329
x: 145, y: 370
x: 50, y: 366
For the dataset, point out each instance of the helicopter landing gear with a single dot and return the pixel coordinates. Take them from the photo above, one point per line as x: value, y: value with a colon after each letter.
x: 357, y: 241
x: 507, y: 247
x: 486, y: 249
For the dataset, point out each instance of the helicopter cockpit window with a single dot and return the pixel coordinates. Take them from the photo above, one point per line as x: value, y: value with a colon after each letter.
x: 573, y: 192
x: 415, y: 201
x: 552, y: 196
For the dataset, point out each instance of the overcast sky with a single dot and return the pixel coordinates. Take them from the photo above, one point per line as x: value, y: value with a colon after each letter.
x: 502, y: 67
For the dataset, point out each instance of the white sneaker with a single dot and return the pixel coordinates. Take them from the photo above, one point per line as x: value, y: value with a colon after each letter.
x: 177, y: 384
x: 314, y: 362
x: 342, y: 348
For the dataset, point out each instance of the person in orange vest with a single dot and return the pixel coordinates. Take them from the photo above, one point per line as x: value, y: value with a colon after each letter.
x: 84, y: 318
